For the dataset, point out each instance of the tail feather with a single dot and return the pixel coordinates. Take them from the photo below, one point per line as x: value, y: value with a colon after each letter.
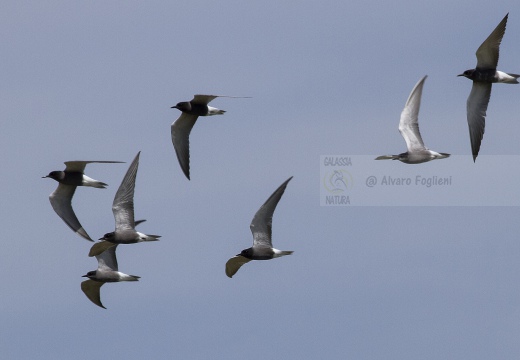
x: 151, y: 237
x: 215, y: 111
x: 99, y: 185
x: 507, y: 78
x: 126, y: 277
x: 87, y: 181
x: 278, y: 253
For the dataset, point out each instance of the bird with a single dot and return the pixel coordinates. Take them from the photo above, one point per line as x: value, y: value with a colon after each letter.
x: 483, y: 76
x: 101, y: 246
x: 107, y: 271
x: 61, y: 198
x: 261, y: 227
x: 409, y: 128
x: 181, y: 128
x: 123, y: 210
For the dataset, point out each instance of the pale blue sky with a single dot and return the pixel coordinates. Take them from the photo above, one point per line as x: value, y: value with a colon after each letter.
x: 94, y: 80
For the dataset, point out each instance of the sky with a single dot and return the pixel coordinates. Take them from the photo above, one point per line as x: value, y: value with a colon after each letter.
x: 403, y: 273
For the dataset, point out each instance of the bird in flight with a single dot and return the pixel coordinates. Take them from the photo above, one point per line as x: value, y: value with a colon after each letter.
x: 409, y: 128
x: 483, y: 76
x: 261, y: 227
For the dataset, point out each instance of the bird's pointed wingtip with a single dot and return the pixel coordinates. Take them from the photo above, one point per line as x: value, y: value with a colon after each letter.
x: 81, y: 232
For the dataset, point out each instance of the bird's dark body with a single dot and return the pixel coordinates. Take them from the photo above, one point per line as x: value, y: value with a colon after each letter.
x: 67, y: 177
x: 482, y: 75
x: 258, y: 253
x: 193, y: 108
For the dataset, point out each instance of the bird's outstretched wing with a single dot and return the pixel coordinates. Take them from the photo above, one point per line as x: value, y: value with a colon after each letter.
x: 205, y: 99
x: 100, y: 247
x: 61, y: 201
x: 123, y: 205
x: 92, y: 288
x: 107, y: 260
x: 79, y: 165
x: 409, y: 123
x: 476, y: 107
x: 488, y: 52
x: 181, y: 129
x: 262, y: 221
x: 234, y: 264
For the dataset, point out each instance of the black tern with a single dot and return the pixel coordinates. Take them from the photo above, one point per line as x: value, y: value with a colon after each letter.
x: 483, y: 76
x: 61, y: 198
x: 181, y: 127
x: 261, y: 226
x: 409, y: 128
x: 107, y: 271
x: 101, y: 246
x: 123, y: 210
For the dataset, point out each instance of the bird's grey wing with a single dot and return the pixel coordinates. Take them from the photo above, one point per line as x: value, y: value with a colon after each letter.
x: 181, y: 129
x: 100, y: 247
x: 476, y: 107
x: 79, y: 166
x: 488, y: 52
x: 92, y: 288
x: 61, y: 201
x: 123, y: 205
x: 262, y: 221
x: 409, y: 123
x: 107, y: 260
x: 203, y: 99
x: 234, y: 264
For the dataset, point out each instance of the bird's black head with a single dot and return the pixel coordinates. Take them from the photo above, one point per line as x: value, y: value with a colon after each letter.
x: 108, y: 236
x: 90, y: 274
x: 56, y: 175
x: 184, y: 106
x: 468, y: 73
x: 248, y: 253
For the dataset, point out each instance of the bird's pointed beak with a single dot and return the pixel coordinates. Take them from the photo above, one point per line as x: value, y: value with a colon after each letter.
x: 460, y: 75
x: 101, y: 238
x: 84, y: 275
x: 174, y: 107
x: 46, y: 176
